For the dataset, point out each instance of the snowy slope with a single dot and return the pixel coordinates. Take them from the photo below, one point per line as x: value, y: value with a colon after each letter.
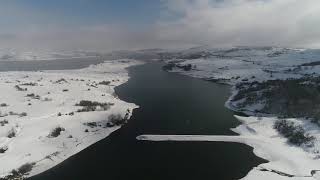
x: 248, y: 64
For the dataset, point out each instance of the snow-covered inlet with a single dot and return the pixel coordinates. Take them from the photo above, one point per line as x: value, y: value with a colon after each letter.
x: 254, y: 66
x: 48, y: 116
x: 285, y: 161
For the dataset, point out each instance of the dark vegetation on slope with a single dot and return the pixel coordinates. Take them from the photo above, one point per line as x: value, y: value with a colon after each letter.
x: 292, y: 98
x: 88, y: 106
x: 18, y: 174
x: 117, y: 119
x: 296, y: 98
x: 56, y: 132
x: 296, y: 134
x: 170, y: 66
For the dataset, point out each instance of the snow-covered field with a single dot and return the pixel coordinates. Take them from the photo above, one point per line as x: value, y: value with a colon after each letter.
x: 42, y: 122
x: 244, y: 64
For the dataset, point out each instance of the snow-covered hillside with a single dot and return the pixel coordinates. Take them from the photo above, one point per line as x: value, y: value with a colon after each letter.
x: 48, y: 116
x: 243, y: 64
x: 280, y: 83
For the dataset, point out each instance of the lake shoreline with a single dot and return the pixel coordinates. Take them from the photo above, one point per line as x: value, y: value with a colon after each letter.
x: 255, y: 130
x: 124, y: 137
x: 52, y: 115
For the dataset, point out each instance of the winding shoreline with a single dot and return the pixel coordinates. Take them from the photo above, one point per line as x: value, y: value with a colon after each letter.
x: 285, y: 161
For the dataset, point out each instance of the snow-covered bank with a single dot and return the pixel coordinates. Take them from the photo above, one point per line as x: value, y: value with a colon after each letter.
x: 246, y: 64
x: 285, y: 161
x: 48, y: 116
x: 269, y: 82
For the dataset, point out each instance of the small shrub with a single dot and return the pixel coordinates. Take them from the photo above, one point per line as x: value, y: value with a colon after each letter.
x: 3, y: 149
x: 91, y: 124
x: 187, y: 67
x: 126, y: 116
x: 56, y: 132
x: 3, y: 105
x: 23, y: 114
x: 59, y: 114
x: 52, y: 155
x: 115, y: 120
x: 86, y: 103
x: 47, y: 99
x: 87, y: 109
x: 12, y: 133
x: 86, y: 130
x: 104, y: 83
x: 19, y: 88
x: 32, y: 95
x: 65, y: 90
x: 61, y: 80
x: 29, y: 84
x: 18, y: 114
x: 26, y: 168
x: 3, y: 122
x: 92, y: 105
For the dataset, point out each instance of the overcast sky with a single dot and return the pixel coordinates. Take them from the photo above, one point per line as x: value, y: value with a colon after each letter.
x: 106, y: 25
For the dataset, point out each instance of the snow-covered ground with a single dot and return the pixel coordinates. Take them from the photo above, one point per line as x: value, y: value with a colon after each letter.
x: 285, y: 161
x: 244, y: 64
x: 40, y: 123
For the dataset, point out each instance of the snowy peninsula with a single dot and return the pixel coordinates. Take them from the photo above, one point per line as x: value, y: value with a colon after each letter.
x: 48, y: 116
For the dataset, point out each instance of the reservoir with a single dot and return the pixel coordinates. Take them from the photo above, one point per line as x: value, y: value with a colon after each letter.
x: 169, y: 104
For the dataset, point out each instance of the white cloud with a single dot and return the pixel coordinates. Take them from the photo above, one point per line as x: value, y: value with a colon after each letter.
x: 183, y: 22
x: 244, y: 22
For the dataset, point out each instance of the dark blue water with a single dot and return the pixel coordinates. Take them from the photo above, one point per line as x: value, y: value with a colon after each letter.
x: 169, y: 104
